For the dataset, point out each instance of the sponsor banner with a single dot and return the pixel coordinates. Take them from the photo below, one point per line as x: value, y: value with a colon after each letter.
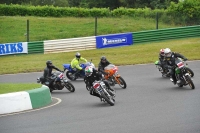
x: 13, y: 48
x: 114, y: 40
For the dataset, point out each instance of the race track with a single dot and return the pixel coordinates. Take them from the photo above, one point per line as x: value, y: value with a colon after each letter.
x: 150, y: 104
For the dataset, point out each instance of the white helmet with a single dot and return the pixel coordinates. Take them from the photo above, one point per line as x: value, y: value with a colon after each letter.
x: 167, y: 52
x: 88, y: 71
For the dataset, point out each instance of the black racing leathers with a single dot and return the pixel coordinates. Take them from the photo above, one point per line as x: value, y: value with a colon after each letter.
x: 90, y: 79
x: 47, y: 74
x: 170, y: 63
x: 101, y: 66
x: 162, y: 62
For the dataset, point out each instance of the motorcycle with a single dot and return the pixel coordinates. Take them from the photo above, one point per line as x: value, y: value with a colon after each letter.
x: 105, y: 93
x: 72, y: 74
x: 164, y: 71
x: 181, y: 72
x: 113, y: 77
x: 59, y: 82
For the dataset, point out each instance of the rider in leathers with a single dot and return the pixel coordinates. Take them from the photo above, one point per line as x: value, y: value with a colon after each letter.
x: 161, y: 58
x: 102, y: 64
x: 91, y: 75
x: 170, y: 60
x: 48, y: 73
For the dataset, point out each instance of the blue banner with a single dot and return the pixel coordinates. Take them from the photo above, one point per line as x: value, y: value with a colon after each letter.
x: 13, y: 48
x: 114, y: 40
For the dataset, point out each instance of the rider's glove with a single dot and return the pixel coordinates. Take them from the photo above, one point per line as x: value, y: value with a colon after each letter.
x: 185, y: 59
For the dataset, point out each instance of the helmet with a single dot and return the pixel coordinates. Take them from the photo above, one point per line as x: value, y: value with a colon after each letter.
x: 167, y: 52
x: 88, y: 71
x: 78, y: 55
x: 103, y: 59
x: 49, y: 63
x: 162, y: 52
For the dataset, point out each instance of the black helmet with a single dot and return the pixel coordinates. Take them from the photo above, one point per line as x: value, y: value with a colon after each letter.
x: 103, y: 59
x: 48, y: 63
x: 78, y: 55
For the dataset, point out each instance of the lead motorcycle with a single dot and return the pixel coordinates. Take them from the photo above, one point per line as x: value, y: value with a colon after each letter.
x: 165, y: 71
x: 106, y: 94
x: 73, y: 75
x: 59, y: 82
x: 185, y: 76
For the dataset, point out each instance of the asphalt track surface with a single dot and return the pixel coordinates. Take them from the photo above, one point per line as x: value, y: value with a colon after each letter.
x: 150, y: 104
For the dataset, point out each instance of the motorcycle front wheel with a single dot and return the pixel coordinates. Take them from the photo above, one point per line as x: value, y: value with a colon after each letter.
x: 121, y: 82
x: 190, y: 82
x: 108, y: 100
x: 190, y: 71
x: 69, y: 86
x: 70, y: 76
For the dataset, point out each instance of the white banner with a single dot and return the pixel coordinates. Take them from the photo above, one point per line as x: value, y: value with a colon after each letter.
x: 13, y: 48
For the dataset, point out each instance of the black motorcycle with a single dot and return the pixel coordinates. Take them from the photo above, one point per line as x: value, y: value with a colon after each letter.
x: 105, y: 93
x: 57, y: 82
x: 182, y: 74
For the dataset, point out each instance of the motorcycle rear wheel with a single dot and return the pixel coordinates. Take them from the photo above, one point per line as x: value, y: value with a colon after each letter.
x: 69, y: 86
x: 122, y: 82
x: 190, y: 82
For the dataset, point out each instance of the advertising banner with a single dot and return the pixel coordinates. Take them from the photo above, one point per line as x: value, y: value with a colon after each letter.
x: 114, y: 40
x: 13, y: 48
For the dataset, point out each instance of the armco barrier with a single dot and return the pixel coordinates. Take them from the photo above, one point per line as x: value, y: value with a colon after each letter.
x: 166, y: 34
x: 68, y: 45
x: 24, y: 100
x: 35, y: 47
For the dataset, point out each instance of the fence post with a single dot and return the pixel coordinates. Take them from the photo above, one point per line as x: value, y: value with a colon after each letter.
x: 157, y: 20
x: 27, y: 32
x: 95, y: 32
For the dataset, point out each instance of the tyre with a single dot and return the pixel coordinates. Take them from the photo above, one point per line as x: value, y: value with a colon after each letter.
x: 190, y: 82
x: 190, y: 71
x: 122, y: 82
x: 69, y: 86
x: 180, y: 85
x: 70, y: 75
x: 108, y: 100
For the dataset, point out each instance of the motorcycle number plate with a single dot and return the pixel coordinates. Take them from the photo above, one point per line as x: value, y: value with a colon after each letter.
x: 61, y: 76
x: 180, y: 65
x: 96, y: 85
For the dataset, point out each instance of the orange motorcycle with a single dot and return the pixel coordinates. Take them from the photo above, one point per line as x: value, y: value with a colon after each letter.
x: 113, y: 77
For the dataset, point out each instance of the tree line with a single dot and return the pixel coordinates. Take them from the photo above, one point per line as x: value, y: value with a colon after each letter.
x: 111, y: 4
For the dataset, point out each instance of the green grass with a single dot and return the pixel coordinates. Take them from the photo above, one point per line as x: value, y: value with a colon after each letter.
x: 13, y: 29
x: 15, y: 87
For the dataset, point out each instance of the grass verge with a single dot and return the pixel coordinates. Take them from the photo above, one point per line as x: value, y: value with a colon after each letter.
x: 15, y: 87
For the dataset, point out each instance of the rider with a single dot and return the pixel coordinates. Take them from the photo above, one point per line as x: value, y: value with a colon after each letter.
x: 102, y: 64
x: 76, y: 61
x: 48, y: 72
x: 161, y: 57
x: 91, y: 74
x: 170, y: 60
